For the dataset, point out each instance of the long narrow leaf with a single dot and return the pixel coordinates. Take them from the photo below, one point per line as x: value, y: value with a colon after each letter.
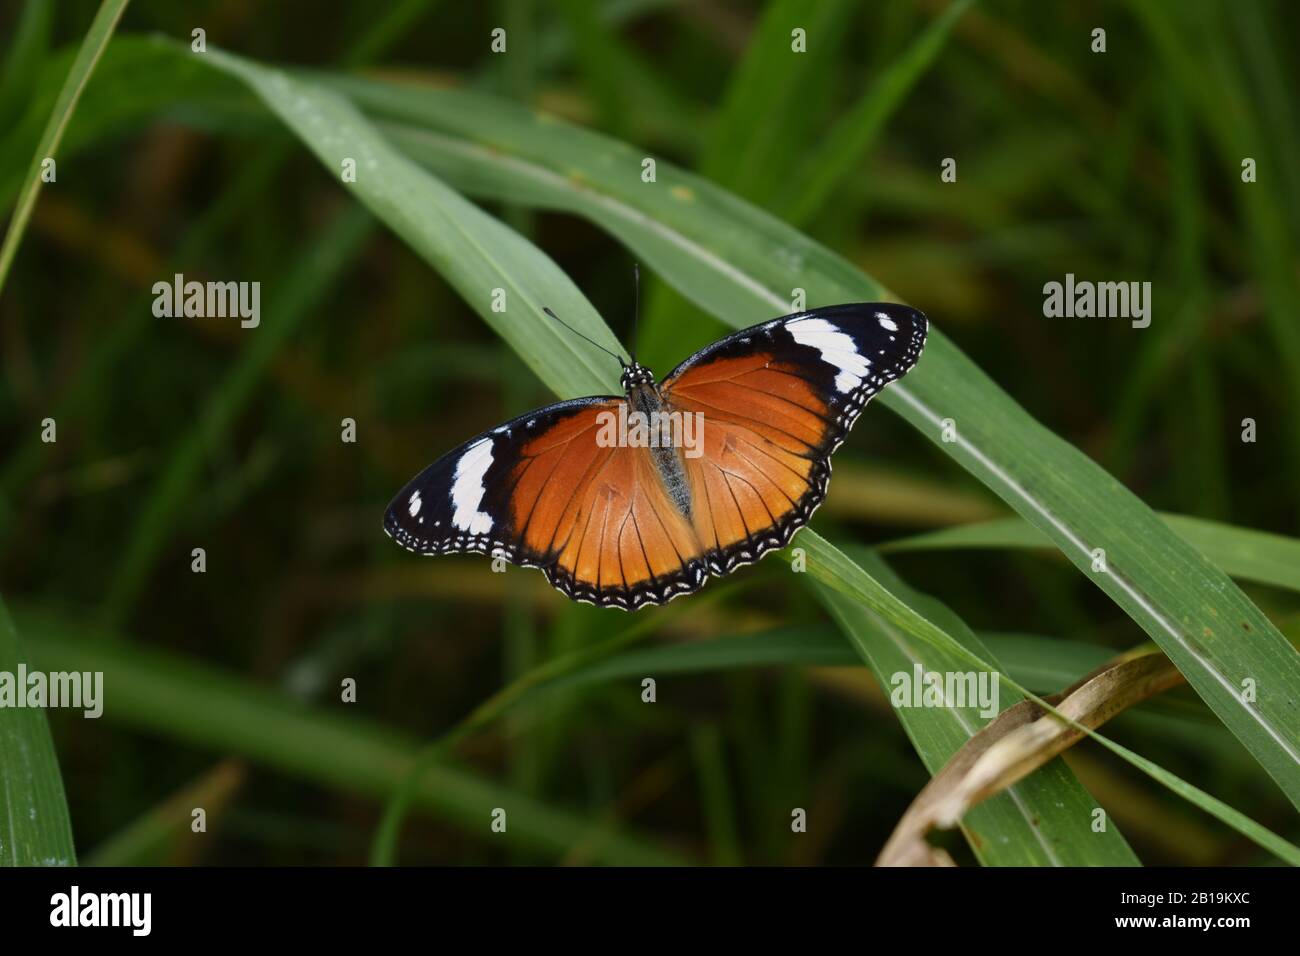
x: 1241, y: 552
x: 97, y: 37
x: 34, y: 825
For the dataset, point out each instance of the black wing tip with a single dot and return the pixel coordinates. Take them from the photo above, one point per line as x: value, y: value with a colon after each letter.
x: 908, y: 315
x: 894, y: 310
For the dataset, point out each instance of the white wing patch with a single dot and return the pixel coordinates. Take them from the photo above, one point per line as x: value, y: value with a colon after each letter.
x: 886, y: 323
x: 836, y: 348
x: 467, y: 490
x: 413, y: 506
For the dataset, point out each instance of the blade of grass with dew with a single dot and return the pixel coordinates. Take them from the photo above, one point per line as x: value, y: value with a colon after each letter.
x: 197, y: 706
x: 739, y: 263
x: 34, y: 826
x: 1244, y: 553
x: 320, y: 265
x: 97, y: 37
x: 1045, y: 819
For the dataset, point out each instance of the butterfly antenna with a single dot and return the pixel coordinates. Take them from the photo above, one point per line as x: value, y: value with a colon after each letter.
x: 636, y: 307
x: 547, y: 310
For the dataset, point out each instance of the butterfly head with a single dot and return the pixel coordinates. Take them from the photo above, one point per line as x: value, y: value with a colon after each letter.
x: 634, y: 375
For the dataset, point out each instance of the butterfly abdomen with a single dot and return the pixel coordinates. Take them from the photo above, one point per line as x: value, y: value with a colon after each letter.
x: 663, y: 444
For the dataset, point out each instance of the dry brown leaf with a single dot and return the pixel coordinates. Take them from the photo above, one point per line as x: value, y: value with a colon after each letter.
x: 1018, y: 741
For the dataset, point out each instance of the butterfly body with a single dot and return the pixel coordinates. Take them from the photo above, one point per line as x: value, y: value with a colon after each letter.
x: 636, y: 522
x: 645, y: 398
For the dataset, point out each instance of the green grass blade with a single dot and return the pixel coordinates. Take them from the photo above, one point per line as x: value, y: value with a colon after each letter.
x: 1241, y: 552
x: 101, y: 29
x: 741, y: 264
x: 34, y: 825
x: 169, y: 697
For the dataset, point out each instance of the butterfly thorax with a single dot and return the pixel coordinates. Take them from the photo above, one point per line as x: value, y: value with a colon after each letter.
x: 644, y: 396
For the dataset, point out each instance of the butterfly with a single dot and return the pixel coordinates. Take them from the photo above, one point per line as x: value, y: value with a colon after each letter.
x: 640, y: 516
